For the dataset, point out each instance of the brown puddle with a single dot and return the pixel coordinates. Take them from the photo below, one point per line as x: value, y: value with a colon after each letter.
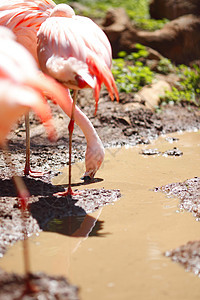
x: 125, y: 259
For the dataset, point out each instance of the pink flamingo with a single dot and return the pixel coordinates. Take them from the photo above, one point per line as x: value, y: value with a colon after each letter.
x: 78, y: 54
x: 21, y: 89
x: 75, y: 51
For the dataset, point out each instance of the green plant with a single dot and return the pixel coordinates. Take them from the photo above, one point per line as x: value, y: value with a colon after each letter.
x: 140, y: 52
x: 187, y: 88
x: 131, y: 78
x: 150, y: 24
x: 165, y: 66
x: 190, y: 78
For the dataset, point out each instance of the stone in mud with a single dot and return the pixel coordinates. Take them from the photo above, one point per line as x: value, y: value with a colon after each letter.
x: 150, y: 152
x: 128, y: 131
x: 173, y: 152
x: 171, y: 139
x: 151, y: 94
x: 12, y: 286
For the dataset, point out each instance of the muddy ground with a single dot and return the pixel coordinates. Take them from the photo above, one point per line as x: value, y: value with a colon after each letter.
x: 188, y: 192
x: 117, y: 124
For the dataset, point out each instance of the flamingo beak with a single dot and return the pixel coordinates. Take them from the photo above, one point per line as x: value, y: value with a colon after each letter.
x: 86, y: 178
x: 85, y: 80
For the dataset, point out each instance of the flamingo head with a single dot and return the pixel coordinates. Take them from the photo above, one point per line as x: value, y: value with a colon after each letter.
x: 62, y: 10
x: 72, y: 72
x: 93, y: 159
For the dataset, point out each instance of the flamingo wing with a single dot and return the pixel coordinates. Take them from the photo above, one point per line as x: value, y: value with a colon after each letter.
x: 95, y: 39
x: 99, y: 58
x: 61, y: 50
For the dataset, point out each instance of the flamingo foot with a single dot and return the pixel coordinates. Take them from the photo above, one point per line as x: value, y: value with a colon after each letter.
x: 30, y: 288
x: 69, y: 192
x: 35, y: 174
x: 23, y: 201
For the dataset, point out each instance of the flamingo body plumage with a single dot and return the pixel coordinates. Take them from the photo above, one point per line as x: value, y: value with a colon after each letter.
x: 24, y: 18
x: 22, y: 86
x: 18, y: 92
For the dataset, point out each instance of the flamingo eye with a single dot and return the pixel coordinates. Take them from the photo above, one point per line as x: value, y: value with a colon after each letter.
x: 81, y: 82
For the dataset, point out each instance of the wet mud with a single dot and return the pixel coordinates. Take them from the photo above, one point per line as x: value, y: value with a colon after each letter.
x: 45, y: 208
x: 117, y: 251
x: 116, y: 123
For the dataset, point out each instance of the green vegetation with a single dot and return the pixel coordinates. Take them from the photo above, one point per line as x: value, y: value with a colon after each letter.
x: 132, y: 77
x: 131, y: 73
x: 187, y: 89
x: 137, y: 10
x: 165, y: 66
x: 141, y: 52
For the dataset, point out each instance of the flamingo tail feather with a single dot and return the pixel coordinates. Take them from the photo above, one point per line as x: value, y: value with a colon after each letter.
x: 103, y: 75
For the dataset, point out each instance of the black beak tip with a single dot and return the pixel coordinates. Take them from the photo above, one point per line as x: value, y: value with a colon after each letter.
x: 86, y: 178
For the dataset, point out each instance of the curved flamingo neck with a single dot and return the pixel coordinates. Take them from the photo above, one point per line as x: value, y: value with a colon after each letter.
x: 81, y: 120
x: 62, y: 10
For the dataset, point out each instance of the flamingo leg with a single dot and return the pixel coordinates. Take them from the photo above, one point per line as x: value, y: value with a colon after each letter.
x: 27, y: 169
x: 23, y: 196
x: 71, y: 129
x: 69, y: 191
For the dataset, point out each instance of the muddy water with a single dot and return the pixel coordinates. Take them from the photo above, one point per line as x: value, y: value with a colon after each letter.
x: 123, y: 257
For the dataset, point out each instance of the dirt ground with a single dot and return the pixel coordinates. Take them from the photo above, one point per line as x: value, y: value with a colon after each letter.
x: 126, y: 122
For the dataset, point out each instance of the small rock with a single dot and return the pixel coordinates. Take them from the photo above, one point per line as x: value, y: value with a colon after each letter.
x: 150, y: 152
x: 151, y: 94
x: 173, y: 152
